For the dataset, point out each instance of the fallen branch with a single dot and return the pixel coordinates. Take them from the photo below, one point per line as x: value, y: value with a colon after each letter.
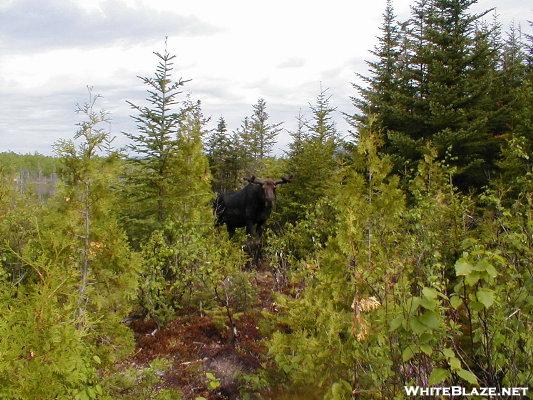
x: 194, y: 361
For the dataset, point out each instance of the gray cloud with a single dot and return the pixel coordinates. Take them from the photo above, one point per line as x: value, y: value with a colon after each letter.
x: 216, y: 90
x: 49, y: 24
x: 294, y: 62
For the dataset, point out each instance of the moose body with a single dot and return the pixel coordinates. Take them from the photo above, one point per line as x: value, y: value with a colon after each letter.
x: 250, y: 207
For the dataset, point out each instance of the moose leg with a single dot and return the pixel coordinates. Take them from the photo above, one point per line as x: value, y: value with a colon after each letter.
x: 250, y: 228
x: 231, y: 230
x: 260, y: 230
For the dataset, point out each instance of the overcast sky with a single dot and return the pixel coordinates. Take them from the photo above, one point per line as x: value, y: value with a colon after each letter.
x: 234, y: 51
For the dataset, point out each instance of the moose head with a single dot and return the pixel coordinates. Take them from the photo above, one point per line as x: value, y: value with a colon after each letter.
x: 269, y: 186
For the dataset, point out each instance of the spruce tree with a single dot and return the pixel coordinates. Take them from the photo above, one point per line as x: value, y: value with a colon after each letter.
x: 456, y: 83
x: 312, y: 162
x: 379, y: 96
x: 217, y: 139
x: 299, y: 134
x: 262, y: 134
x: 219, y: 152
x: 192, y: 179
x: 150, y: 177
x: 512, y: 78
x: 322, y: 127
x: 245, y: 146
x: 442, y: 86
x: 239, y: 162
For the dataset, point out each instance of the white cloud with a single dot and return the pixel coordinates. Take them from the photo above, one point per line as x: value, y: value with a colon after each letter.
x: 234, y: 51
x: 293, y: 62
x: 40, y: 25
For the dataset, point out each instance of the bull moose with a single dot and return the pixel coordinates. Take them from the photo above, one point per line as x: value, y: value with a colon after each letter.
x: 249, y: 207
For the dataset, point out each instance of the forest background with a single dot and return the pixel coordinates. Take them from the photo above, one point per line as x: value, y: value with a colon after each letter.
x: 399, y: 254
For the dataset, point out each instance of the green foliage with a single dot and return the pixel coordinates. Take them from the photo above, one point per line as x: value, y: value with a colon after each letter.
x: 224, y: 159
x: 516, y: 167
x: 426, y: 292
x: 35, y: 163
x: 85, y: 211
x: 135, y: 383
x: 380, y: 97
x: 259, y: 139
x: 445, y: 76
x: 212, y: 381
x: 44, y: 353
x: 151, y: 175
x: 312, y: 163
x: 184, y: 266
x: 72, y: 278
x: 171, y: 263
x: 322, y: 320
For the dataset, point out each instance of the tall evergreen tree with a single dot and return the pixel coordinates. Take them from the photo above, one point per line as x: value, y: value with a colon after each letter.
x: 299, y: 134
x: 442, y: 83
x: 312, y: 162
x: 221, y: 157
x: 457, y: 85
x: 191, y: 193
x: 263, y: 134
x: 217, y: 139
x: 379, y: 96
x: 322, y: 127
x: 245, y: 146
x: 150, y: 177
x: 512, y: 76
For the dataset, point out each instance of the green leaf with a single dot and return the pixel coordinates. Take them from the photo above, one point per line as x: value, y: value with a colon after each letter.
x: 426, y: 349
x: 91, y: 393
x: 408, y: 353
x: 413, y: 305
x: 456, y: 301
x: 340, y: 390
x: 455, y: 364
x: 97, y: 359
x: 448, y: 353
x: 83, y: 396
x: 396, y: 322
x: 430, y: 319
x: 430, y: 293
x: 485, y: 296
x: 462, y: 268
x: 438, y: 375
x: 428, y: 303
x: 416, y: 326
x: 472, y: 278
x: 214, y: 384
x: 210, y: 376
x: 468, y: 376
x: 481, y: 265
x: 492, y: 271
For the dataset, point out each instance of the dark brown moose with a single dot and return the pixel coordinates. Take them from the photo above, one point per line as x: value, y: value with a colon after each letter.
x: 250, y: 207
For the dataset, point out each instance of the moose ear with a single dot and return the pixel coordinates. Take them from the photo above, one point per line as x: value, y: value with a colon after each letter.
x: 250, y: 179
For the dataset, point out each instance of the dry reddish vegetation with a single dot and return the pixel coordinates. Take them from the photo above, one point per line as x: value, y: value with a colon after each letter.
x: 195, y: 345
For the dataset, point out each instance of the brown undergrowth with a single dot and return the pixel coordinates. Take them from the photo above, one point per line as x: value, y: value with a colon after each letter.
x: 195, y: 345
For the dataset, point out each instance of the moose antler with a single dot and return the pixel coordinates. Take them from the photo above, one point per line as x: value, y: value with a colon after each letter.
x: 284, y: 179
x: 253, y: 179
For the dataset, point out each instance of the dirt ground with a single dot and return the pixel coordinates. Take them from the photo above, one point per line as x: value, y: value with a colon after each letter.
x: 195, y: 345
